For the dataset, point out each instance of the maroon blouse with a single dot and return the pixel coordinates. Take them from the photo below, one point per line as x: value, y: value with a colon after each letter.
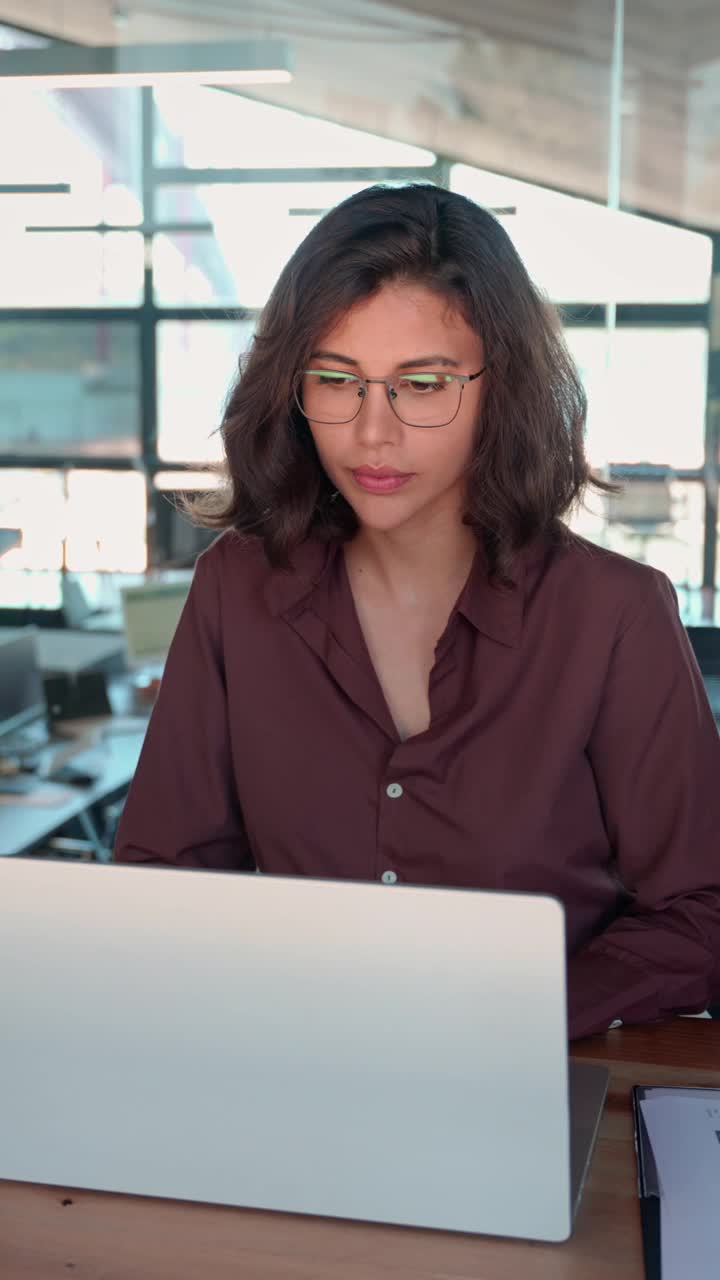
x: 571, y: 750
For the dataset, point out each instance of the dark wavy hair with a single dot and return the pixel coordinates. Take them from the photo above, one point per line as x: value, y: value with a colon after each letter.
x: 529, y: 466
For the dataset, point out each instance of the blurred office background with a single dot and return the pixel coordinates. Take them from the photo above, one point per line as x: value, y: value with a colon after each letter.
x: 141, y: 229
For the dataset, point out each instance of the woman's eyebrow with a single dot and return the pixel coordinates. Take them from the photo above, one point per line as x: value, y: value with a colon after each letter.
x: 416, y: 363
x: 332, y: 355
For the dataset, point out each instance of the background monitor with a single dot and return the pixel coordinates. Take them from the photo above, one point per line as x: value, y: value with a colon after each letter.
x: 151, y: 613
x: 22, y: 699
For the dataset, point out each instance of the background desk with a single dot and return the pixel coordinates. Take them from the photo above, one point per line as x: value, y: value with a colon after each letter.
x: 24, y: 826
x: 57, y: 1231
x: 61, y: 651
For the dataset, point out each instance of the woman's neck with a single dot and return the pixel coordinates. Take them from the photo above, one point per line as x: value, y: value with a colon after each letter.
x: 408, y: 568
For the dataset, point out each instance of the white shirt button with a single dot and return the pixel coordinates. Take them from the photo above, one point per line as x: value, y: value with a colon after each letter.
x: 394, y: 790
x: 389, y: 877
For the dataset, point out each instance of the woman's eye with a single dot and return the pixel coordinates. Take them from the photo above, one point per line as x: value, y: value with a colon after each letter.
x: 424, y: 385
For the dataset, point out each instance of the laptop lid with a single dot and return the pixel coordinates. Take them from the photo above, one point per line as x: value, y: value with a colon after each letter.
x: 396, y: 1054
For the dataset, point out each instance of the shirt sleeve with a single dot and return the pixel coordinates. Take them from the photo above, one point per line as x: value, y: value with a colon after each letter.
x: 182, y: 808
x: 655, y: 752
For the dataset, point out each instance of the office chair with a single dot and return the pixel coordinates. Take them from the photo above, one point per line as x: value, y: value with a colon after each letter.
x: 644, y: 510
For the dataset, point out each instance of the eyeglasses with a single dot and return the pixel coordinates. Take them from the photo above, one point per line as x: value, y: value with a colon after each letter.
x: 417, y: 399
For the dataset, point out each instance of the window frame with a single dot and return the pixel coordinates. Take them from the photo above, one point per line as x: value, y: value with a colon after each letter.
x: 146, y: 316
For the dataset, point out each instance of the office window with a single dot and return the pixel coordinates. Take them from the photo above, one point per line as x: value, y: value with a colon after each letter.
x: 579, y: 251
x: 190, y: 270
x: 646, y: 409
x: 69, y: 388
x: 646, y: 394
x: 71, y: 269
x: 89, y: 139
x: 250, y: 229
x: 658, y: 520
x: 256, y: 227
x: 32, y: 501
x: 197, y: 364
x: 106, y: 521
x: 201, y: 128
x: 29, y: 589
x: 79, y: 520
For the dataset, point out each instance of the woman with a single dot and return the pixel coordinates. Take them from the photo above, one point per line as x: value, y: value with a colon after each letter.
x: 397, y: 663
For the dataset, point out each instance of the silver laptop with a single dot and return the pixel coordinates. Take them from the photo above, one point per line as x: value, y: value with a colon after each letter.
x: 387, y: 1053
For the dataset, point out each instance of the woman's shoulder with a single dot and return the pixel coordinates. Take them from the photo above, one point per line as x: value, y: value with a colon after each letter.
x: 232, y: 568
x: 593, y: 560
x: 594, y: 576
x: 232, y: 554
x: 237, y: 568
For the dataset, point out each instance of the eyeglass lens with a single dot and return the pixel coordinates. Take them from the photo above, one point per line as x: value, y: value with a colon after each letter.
x: 419, y: 399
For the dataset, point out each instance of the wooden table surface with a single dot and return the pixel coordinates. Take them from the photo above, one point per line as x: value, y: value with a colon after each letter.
x: 52, y: 1232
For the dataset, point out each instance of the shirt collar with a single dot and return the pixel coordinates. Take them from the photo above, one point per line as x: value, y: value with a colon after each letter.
x: 495, y: 611
x: 286, y: 588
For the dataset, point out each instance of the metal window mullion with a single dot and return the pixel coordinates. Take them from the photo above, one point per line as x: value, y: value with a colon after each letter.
x: 97, y: 314
x: 711, y: 468
x: 57, y: 462
x: 148, y: 320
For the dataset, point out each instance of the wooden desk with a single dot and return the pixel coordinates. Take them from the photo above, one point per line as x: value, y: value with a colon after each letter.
x: 48, y: 1232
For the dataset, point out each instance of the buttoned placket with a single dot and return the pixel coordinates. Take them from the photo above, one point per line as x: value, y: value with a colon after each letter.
x: 327, y: 620
x: 393, y: 796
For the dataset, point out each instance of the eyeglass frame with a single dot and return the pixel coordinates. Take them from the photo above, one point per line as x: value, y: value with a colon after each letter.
x: 462, y: 378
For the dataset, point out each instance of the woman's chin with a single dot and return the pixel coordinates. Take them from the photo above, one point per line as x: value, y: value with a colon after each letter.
x: 375, y: 512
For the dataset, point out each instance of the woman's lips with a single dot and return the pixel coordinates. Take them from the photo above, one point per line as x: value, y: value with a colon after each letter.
x: 379, y: 482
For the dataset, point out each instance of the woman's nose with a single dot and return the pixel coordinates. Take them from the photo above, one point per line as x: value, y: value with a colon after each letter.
x: 376, y: 413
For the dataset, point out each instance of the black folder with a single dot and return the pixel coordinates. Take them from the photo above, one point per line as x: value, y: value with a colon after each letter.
x: 648, y: 1181
x: 648, y: 1188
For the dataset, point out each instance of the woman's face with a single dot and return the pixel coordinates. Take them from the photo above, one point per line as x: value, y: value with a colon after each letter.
x: 397, y: 330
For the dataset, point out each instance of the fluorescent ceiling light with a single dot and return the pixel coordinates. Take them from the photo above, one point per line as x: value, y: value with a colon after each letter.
x: 101, y: 66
